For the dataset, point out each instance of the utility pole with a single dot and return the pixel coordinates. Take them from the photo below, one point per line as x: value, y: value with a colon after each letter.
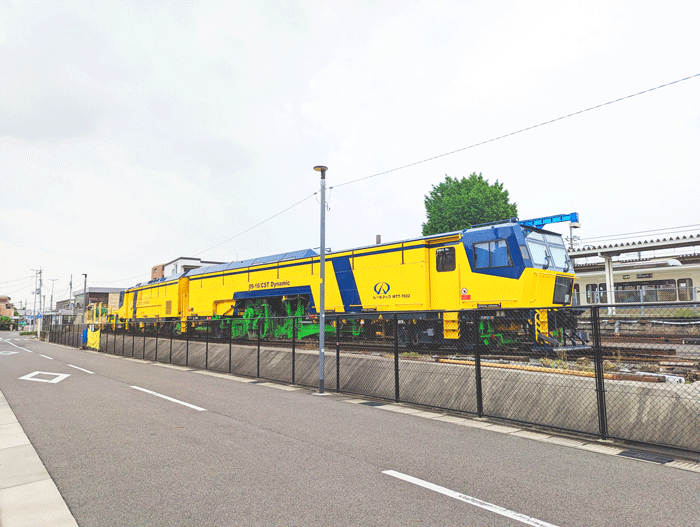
x: 36, y: 277
x: 51, y: 304
x: 41, y: 304
x: 70, y: 294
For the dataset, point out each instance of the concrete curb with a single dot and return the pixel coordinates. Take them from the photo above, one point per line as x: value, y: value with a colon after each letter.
x: 28, y: 495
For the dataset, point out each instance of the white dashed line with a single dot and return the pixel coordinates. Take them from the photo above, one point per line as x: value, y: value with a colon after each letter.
x: 81, y: 369
x: 470, y: 500
x: 20, y: 347
x: 170, y: 399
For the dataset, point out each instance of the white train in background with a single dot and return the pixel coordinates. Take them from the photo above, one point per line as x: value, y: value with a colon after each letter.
x: 655, y: 281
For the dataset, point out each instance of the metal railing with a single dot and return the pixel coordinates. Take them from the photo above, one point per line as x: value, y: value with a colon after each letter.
x: 595, y: 370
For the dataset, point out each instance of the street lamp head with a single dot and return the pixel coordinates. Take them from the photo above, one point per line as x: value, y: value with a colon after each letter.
x: 322, y: 170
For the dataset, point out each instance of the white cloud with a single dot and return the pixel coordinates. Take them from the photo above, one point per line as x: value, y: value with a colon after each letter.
x: 138, y: 132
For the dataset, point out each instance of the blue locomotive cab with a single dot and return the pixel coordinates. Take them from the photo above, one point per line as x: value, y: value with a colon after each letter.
x: 506, y: 249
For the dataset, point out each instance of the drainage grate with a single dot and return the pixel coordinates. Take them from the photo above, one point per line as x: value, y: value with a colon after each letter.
x: 646, y: 456
x: 372, y: 403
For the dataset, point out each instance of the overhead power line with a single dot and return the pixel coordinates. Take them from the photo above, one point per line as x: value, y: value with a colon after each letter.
x: 24, y: 278
x: 481, y: 143
x: 426, y: 160
x: 257, y: 224
x: 656, y: 232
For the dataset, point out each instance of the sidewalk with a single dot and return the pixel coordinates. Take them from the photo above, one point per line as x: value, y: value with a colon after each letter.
x: 28, y: 495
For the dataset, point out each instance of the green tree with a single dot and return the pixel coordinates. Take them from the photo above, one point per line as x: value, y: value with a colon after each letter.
x: 457, y: 204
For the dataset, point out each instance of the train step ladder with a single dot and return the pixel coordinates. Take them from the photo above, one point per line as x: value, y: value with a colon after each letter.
x: 450, y: 322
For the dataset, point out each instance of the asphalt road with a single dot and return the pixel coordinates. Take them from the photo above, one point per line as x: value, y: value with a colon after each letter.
x: 240, y: 453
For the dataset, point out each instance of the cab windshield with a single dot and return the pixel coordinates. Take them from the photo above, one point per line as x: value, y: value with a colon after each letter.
x: 547, y: 251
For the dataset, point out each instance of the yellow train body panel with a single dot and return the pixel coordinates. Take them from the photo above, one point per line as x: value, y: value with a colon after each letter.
x: 502, y: 266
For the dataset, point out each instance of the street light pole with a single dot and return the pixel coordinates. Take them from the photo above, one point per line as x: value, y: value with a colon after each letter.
x: 322, y: 299
x: 84, y: 295
x: 85, y: 308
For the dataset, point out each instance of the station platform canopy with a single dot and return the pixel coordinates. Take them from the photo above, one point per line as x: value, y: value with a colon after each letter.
x: 608, y: 252
x: 617, y: 249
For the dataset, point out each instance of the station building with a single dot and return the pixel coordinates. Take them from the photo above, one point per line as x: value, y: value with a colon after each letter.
x: 179, y: 265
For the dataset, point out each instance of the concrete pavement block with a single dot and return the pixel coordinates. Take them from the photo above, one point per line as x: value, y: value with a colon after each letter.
x: 32, y: 504
x: 7, y: 416
x: 12, y: 435
x: 20, y: 465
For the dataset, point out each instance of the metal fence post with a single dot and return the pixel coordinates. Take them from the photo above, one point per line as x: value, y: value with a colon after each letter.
x: 187, y: 345
x: 477, y: 365
x: 157, y: 331
x: 230, y: 333
x: 337, y: 354
x: 599, y: 378
x: 259, y: 321
x: 294, y: 346
x: 171, y: 329
x: 206, y: 346
x: 143, y: 353
x: 396, y: 357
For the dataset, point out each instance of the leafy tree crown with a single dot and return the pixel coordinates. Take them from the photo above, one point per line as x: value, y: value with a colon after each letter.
x: 457, y: 204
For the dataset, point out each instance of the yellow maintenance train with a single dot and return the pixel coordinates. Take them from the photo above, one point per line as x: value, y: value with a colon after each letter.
x: 431, y: 281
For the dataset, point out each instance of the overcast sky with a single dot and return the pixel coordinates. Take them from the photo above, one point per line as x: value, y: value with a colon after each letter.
x: 132, y: 133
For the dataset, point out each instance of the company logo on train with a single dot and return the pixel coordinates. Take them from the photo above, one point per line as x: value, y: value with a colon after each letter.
x: 444, y: 289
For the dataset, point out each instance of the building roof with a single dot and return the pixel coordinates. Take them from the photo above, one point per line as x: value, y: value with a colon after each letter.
x: 617, y: 249
x: 91, y: 289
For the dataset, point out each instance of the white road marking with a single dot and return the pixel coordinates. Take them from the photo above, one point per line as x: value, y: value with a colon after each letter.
x: 46, y: 357
x: 16, y: 346
x: 81, y: 369
x: 8, y: 352
x: 468, y: 499
x: 58, y: 377
x: 171, y: 399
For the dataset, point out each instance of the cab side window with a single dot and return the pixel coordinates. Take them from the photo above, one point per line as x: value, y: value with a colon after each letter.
x: 445, y: 260
x: 492, y: 254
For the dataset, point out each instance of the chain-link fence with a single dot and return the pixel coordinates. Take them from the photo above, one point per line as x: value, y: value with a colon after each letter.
x: 628, y: 371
